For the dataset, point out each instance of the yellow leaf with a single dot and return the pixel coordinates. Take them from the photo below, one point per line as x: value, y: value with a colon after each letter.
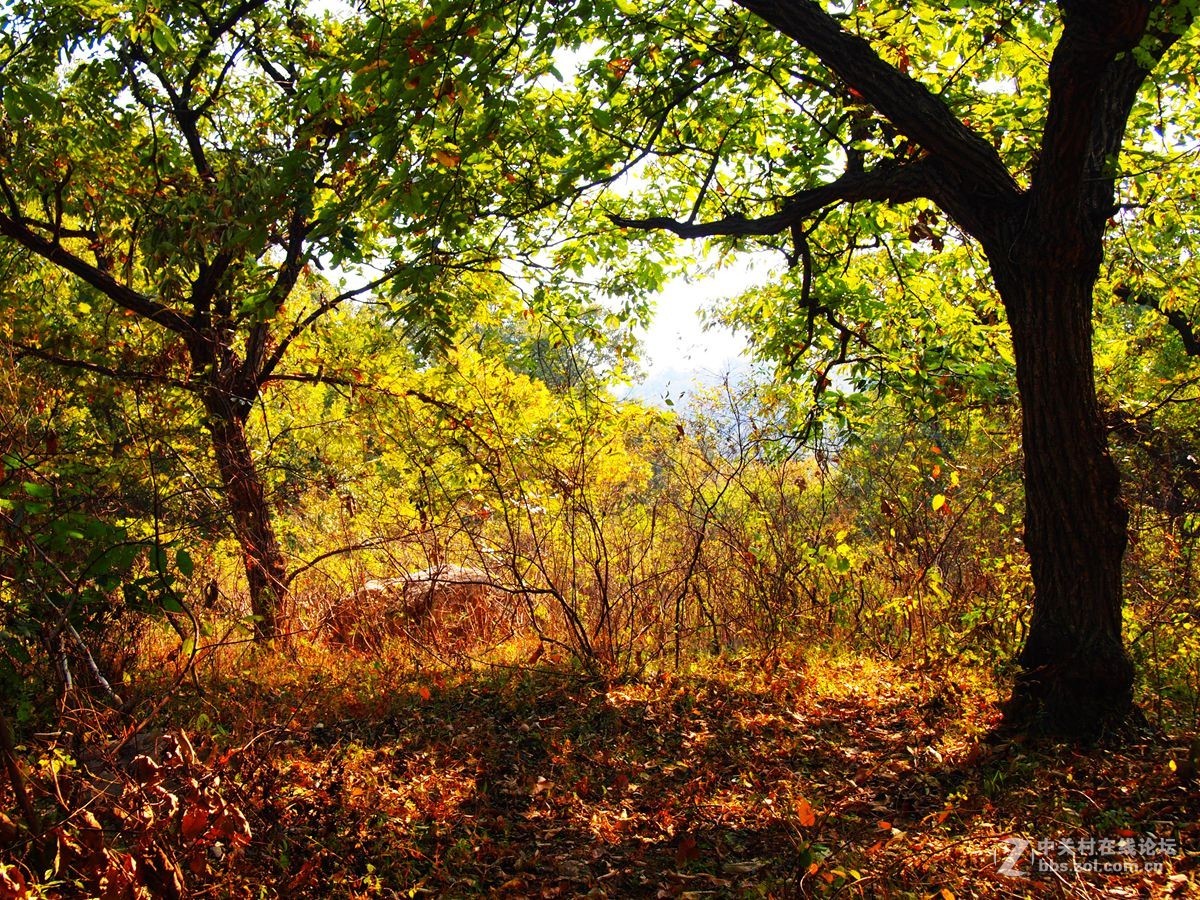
x: 939, y: 500
x: 449, y: 160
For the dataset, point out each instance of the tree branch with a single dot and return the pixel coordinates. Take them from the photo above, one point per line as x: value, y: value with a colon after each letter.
x: 123, y: 296
x: 891, y: 182
x: 325, y: 306
x: 317, y: 377
x: 906, y: 103
x: 372, y: 543
x: 66, y: 362
x: 257, y: 362
x: 1095, y: 32
x: 59, y: 232
x: 1123, y: 80
x: 1177, y: 320
x: 216, y: 31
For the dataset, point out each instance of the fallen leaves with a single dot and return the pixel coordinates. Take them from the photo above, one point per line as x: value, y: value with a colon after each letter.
x: 806, y: 817
x: 745, y: 779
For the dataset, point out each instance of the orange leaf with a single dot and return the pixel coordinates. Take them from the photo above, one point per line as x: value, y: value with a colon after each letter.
x: 804, y: 813
x: 198, y: 861
x: 231, y: 824
x: 620, y: 67
x: 424, y: 692
x: 884, y: 825
x: 449, y: 160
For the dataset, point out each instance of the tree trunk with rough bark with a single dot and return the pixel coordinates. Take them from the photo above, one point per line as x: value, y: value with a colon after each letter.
x: 266, y: 570
x: 1076, y: 676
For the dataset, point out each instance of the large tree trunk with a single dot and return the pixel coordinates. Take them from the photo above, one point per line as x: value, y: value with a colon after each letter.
x: 1076, y: 677
x: 266, y: 570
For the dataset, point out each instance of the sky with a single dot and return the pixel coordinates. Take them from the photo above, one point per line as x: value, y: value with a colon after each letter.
x: 678, y: 351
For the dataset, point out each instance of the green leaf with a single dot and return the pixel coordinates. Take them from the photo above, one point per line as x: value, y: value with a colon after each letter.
x: 162, y: 39
x: 184, y: 562
x: 171, y: 604
x: 158, y: 559
x: 40, y: 491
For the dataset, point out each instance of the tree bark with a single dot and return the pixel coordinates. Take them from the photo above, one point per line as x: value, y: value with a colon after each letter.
x: 1076, y: 677
x: 266, y: 569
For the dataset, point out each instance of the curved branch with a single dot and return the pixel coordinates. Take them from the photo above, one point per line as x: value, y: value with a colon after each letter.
x: 372, y: 543
x: 905, y: 102
x: 131, y: 375
x: 893, y: 183
x: 1177, y: 320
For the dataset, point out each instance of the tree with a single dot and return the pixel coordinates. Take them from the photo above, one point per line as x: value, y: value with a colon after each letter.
x: 194, y: 166
x: 1011, y: 121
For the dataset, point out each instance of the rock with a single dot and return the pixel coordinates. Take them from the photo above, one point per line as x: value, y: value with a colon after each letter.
x: 446, y: 601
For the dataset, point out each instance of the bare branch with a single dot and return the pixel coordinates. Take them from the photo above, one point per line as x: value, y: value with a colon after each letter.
x: 372, y: 543
x: 131, y: 375
x: 892, y: 182
x: 317, y: 377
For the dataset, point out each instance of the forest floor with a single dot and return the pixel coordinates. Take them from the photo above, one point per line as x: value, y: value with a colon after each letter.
x: 788, y: 776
